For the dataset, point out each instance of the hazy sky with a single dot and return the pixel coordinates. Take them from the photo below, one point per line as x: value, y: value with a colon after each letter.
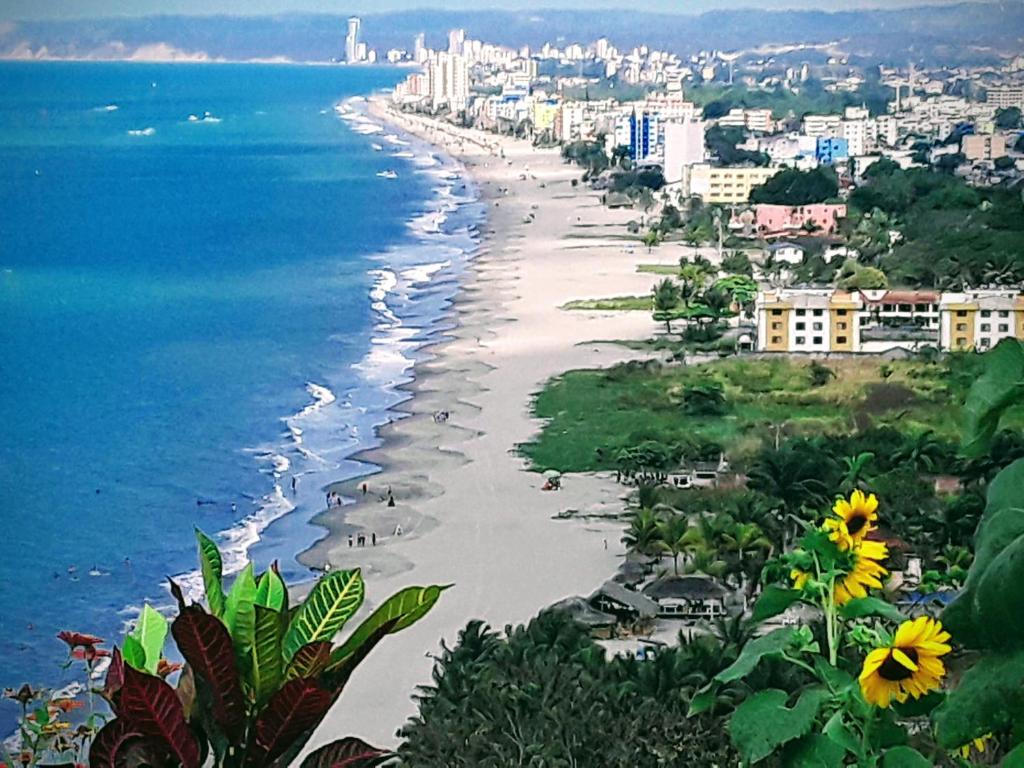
x: 52, y: 9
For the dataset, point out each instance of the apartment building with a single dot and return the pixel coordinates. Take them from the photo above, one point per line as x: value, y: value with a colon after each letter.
x: 872, y: 322
x: 983, y: 147
x: 1005, y: 96
x: 724, y: 186
x: 823, y: 126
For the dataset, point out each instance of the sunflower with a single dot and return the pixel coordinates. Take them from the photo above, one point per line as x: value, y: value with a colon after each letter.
x: 979, y: 744
x: 852, y: 519
x: 909, y: 667
x: 799, y: 578
x: 867, y: 572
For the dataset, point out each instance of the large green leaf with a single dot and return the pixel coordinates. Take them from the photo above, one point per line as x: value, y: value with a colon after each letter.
x: 861, y: 607
x: 271, y: 591
x: 1015, y: 758
x: 133, y: 653
x: 904, y: 757
x: 334, y: 599
x: 267, y: 668
x: 990, y: 697
x: 763, y: 723
x: 212, y: 568
x: 150, y: 632
x: 401, y: 610
x: 773, y: 601
x: 998, y: 388
x: 772, y: 644
x: 240, y: 610
x: 987, y: 614
x: 813, y: 751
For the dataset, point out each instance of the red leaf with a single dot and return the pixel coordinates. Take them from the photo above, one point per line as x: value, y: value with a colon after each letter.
x: 151, y: 706
x: 345, y: 753
x: 113, y: 742
x: 115, y: 679
x: 205, y: 643
x: 311, y: 659
x: 295, y: 709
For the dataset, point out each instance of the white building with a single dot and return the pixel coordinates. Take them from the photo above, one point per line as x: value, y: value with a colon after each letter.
x: 1003, y: 97
x: 823, y: 126
x: 684, y: 147
x: 352, y: 40
x: 448, y: 81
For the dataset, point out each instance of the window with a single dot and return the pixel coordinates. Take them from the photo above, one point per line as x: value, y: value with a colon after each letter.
x: 1004, y: 328
x: 986, y: 313
x: 984, y: 342
x: 841, y: 312
x: 961, y: 341
x: 840, y: 326
x: 776, y: 339
x: 817, y: 339
x: 961, y: 327
x: 801, y: 312
x: 985, y: 328
x: 801, y: 326
x: 920, y: 307
x: 776, y: 326
x: 1004, y: 313
x: 816, y: 326
x: 961, y: 313
x: 776, y: 312
x: 800, y: 340
x: 840, y: 339
x: 905, y: 308
x: 819, y: 312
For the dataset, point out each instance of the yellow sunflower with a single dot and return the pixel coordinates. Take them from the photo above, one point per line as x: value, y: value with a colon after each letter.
x: 978, y: 744
x: 867, y: 572
x: 799, y: 578
x: 909, y: 667
x: 852, y: 519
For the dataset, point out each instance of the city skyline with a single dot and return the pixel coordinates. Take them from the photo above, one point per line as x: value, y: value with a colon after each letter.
x: 62, y: 9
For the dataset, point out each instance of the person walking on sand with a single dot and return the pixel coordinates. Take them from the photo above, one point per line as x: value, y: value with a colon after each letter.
x: 350, y: 539
x: 391, y: 500
x: 294, y: 483
x: 373, y: 539
x: 361, y: 541
x: 365, y: 488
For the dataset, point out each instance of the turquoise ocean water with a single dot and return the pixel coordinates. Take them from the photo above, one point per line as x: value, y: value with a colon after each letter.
x: 205, y: 290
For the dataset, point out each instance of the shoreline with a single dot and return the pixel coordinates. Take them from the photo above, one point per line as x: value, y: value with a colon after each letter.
x: 471, y: 512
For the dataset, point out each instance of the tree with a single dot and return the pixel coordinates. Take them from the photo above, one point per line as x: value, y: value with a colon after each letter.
x: 666, y: 300
x: 794, y: 187
x: 820, y: 374
x: 1004, y: 163
x: 705, y: 398
x: 864, y: 278
x: 737, y: 263
x: 643, y: 533
x: 1008, y: 119
x: 651, y: 239
x: 674, y: 537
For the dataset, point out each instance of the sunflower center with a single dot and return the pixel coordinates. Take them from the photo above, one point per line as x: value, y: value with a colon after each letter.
x: 893, y: 671
x: 856, y: 523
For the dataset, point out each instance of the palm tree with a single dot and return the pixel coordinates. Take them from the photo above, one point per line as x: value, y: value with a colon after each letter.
x: 924, y: 452
x: 666, y: 299
x: 674, y: 537
x: 705, y: 559
x: 793, y: 478
x: 854, y: 468
x: 644, y: 532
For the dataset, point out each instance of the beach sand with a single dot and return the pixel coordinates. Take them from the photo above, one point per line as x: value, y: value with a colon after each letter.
x: 471, y: 513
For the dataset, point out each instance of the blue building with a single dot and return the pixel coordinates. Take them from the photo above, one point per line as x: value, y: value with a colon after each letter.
x: 831, y: 150
x: 643, y: 135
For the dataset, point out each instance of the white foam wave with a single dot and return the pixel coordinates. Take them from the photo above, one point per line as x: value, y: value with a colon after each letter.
x: 142, y: 131
x: 106, y: 108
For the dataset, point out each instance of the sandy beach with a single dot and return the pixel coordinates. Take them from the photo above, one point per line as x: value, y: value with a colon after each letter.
x: 470, y: 512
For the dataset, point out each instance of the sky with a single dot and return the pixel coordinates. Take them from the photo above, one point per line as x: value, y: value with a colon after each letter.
x: 69, y: 9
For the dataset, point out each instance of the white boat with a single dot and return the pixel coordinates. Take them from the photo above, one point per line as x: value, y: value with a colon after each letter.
x: 388, y: 174
x: 377, y: 147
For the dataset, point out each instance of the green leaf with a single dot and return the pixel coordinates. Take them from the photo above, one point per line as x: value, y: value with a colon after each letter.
x: 212, y: 569
x: 703, y: 700
x: 989, y: 698
x: 773, y: 601
x: 133, y: 653
x: 267, y: 668
x: 905, y: 757
x: 772, y: 644
x: 404, y: 608
x: 860, y: 607
x: 1015, y: 758
x: 987, y: 614
x: 838, y: 732
x: 240, y: 610
x: 334, y: 599
x: 998, y: 388
x: 150, y: 632
x: 763, y: 723
x: 271, y: 591
x: 813, y: 751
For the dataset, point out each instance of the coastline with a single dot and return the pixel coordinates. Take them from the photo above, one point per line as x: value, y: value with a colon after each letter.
x: 470, y: 512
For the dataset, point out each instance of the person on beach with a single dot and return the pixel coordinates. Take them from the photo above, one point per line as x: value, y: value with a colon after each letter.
x: 391, y: 500
x: 398, y: 530
x: 350, y: 539
x: 294, y: 483
x: 373, y: 539
x: 365, y: 488
x: 361, y: 541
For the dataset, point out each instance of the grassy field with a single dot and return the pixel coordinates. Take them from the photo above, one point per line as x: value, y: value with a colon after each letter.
x: 642, y: 303
x: 659, y: 269
x: 592, y: 413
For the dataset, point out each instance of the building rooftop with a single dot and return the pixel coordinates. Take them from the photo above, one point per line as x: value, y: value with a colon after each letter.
x: 685, y: 588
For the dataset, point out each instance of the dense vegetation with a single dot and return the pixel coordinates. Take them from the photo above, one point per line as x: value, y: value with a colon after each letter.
x: 793, y: 187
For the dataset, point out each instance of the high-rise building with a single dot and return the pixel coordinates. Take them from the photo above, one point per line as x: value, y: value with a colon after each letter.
x: 456, y: 41
x: 448, y: 81
x: 684, y: 147
x: 352, y: 40
x: 419, y: 49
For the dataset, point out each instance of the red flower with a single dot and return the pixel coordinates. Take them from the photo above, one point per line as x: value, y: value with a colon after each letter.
x: 76, y: 639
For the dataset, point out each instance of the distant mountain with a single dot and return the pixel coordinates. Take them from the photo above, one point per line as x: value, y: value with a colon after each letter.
x: 964, y: 33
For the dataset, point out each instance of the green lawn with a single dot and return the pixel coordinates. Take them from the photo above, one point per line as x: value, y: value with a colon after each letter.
x: 591, y: 414
x: 659, y: 269
x: 641, y: 303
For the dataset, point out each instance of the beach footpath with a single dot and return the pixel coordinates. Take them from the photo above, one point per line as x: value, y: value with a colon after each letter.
x: 454, y: 503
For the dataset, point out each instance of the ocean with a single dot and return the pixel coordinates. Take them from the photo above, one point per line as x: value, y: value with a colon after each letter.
x: 206, y: 289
